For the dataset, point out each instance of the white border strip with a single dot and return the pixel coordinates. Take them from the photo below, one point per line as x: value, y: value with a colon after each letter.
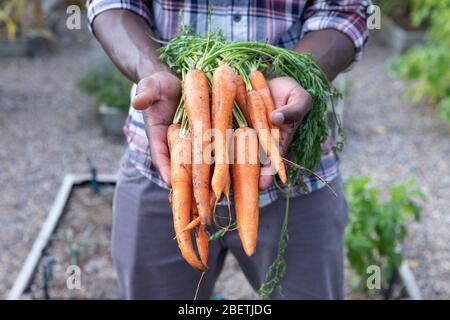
x: 25, y: 274
x: 409, y: 282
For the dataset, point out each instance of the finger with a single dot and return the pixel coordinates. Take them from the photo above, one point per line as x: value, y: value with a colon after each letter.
x: 298, y: 105
x: 161, y: 160
x: 160, y: 157
x: 147, y: 92
x: 266, y: 176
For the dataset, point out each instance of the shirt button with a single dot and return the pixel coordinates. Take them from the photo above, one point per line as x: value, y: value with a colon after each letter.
x: 237, y: 17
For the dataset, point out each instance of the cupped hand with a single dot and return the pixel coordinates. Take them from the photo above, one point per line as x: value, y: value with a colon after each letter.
x: 158, y: 96
x: 292, y: 103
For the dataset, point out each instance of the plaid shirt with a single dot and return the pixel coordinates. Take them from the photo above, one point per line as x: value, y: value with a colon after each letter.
x: 278, y: 22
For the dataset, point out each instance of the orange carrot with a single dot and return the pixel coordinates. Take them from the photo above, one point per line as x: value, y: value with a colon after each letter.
x: 241, y: 97
x: 195, y: 218
x: 223, y: 95
x: 212, y: 199
x: 196, y: 101
x: 258, y: 116
x: 259, y: 83
x: 202, y: 238
x: 245, y: 175
x: 181, y: 195
x: 191, y: 225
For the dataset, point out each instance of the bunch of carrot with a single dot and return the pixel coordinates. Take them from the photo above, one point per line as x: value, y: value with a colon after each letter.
x: 194, y: 190
x: 225, y: 88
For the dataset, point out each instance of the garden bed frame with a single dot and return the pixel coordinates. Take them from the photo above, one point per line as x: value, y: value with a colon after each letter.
x: 40, y: 243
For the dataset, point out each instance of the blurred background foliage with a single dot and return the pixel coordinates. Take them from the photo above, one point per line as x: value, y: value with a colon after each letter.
x: 23, y: 16
x: 107, y: 86
x: 377, y: 227
x: 426, y: 66
x: 29, y: 17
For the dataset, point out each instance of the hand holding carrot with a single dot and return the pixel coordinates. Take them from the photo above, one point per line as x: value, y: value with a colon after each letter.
x: 292, y: 102
x: 158, y: 96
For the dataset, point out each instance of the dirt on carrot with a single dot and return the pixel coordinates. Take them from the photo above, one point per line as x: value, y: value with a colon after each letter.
x: 260, y: 123
x: 223, y: 96
x: 181, y: 195
x: 245, y: 177
x: 196, y: 99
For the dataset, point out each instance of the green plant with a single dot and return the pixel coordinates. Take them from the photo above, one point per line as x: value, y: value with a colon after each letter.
x: 7, y: 24
x: 107, y: 86
x: 377, y: 228
x: 75, y: 246
x: 426, y: 66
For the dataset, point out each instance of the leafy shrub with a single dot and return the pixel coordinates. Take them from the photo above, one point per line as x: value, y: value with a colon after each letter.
x: 107, y: 86
x: 427, y: 66
x: 376, y: 228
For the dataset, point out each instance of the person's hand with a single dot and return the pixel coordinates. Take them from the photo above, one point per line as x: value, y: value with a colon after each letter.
x: 292, y: 102
x: 158, y: 95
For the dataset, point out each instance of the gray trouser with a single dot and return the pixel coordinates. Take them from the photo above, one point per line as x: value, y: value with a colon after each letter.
x: 150, y: 266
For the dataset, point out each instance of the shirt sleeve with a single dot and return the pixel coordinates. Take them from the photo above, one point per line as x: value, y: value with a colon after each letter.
x: 95, y: 7
x: 347, y: 16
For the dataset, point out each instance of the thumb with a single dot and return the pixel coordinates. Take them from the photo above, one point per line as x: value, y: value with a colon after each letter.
x: 265, y: 178
x: 294, y: 111
x: 147, y: 93
x: 266, y: 175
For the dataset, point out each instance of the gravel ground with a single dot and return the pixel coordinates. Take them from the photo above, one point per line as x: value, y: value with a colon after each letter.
x: 48, y: 129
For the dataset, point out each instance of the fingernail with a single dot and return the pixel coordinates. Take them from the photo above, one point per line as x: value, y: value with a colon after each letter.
x: 278, y: 118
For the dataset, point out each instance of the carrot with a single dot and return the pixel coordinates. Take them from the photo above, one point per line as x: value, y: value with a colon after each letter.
x: 191, y: 225
x: 223, y: 95
x: 258, y: 116
x: 202, y: 238
x: 196, y: 100
x: 195, y: 218
x: 212, y: 198
x: 245, y: 175
x: 195, y: 222
x: 241, y: 97
x: 181, y: 195
x: 259, y: 83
